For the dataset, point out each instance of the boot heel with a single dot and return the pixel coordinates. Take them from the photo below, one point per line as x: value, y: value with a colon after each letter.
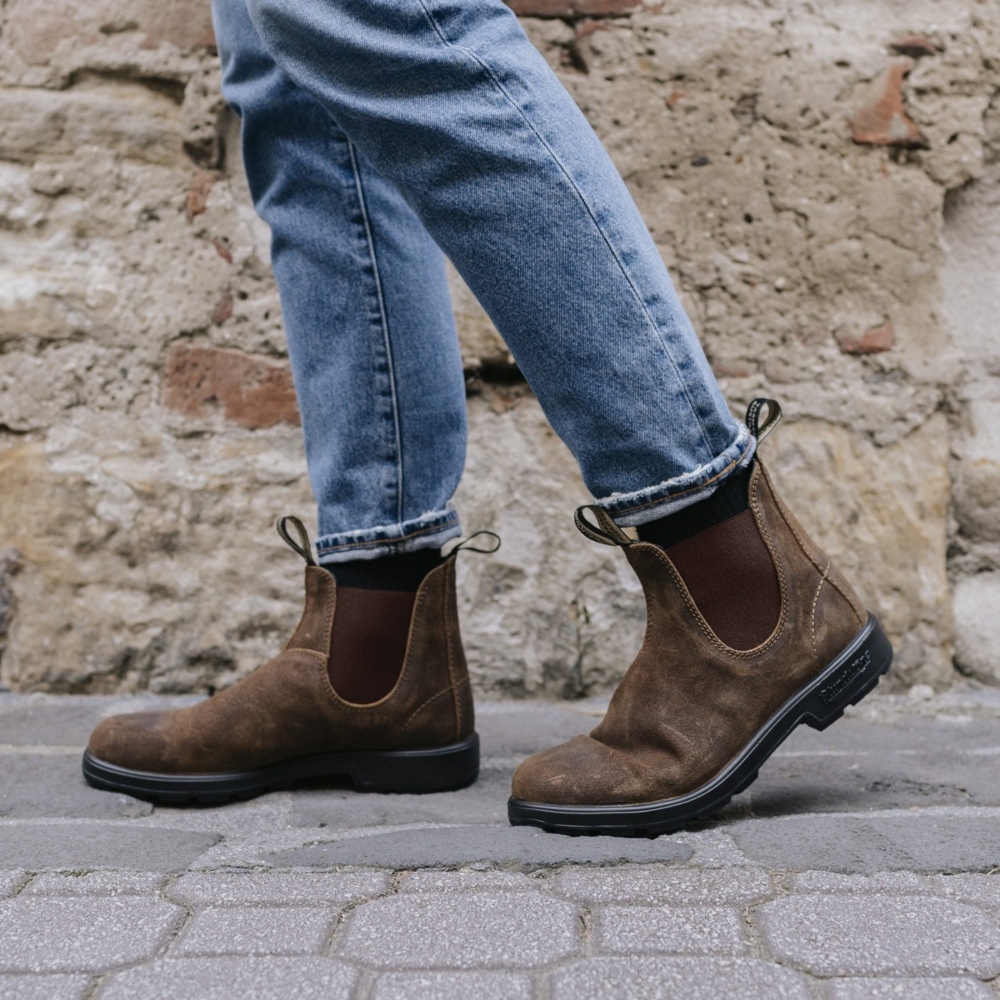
x: 854, y: 673
x: 442, y: 769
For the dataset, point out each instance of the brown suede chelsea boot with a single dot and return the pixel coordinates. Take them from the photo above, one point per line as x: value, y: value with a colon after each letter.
x: 285, y: 723
x: 718, y: 683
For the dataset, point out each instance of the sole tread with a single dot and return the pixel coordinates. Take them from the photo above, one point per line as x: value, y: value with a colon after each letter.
x: 436, y: 769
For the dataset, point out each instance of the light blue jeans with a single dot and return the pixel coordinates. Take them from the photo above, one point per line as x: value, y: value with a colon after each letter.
x: 379, y: 133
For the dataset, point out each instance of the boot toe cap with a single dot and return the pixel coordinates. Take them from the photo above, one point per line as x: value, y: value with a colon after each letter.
x: 132, y: 741
x: 582, y: 771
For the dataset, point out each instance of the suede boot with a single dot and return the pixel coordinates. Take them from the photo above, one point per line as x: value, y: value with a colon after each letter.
x: 714, y: 690
x: 284, y: 722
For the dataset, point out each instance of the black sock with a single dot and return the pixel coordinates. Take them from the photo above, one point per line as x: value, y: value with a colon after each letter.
x: 727, y: 501
x: 403, y: 572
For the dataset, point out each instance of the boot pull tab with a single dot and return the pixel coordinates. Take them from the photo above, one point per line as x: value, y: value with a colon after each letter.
x: 474, y: 548
x: 757, y: 429
x: 605, y: 531
x: 303, y: 546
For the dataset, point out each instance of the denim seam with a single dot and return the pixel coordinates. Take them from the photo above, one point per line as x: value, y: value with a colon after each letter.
x: 436, y: 518
x: 616, y: 498
x: 583, y: 201
x: 681, y: 480
x: 359, y: 188
x: 694, y: 493
x: 327, y: 549
x: 440, y: 517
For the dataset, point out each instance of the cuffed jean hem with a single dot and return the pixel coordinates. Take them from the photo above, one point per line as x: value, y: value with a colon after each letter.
x: 643, y: 506
x: 430, y: 531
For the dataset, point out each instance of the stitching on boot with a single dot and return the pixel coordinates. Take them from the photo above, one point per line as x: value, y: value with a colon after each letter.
x: 449, y: 588
x: 398, y: 686
x: 306, y: 652
x: 324, y: 683
x: 408, y: 658
x: 758, y: 516
x: 331, y: 691
x: 331, y: 614
x: 807, y: 549
x: 815, y: 604
x: 328, y: 632
x: 420, y: 708
x: 743, y: 654
x: 854, y: 603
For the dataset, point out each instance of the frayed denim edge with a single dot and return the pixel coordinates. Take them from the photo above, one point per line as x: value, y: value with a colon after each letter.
x: 653, y: 502
x: 428, y: 532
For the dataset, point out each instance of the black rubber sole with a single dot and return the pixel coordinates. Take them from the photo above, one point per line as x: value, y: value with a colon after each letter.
x: 855, y: 672
x: 440, y: 769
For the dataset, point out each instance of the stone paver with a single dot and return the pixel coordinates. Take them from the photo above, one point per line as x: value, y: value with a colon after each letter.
x: 916, y: 935
x: 921, y: 842
x: 484, y: 802
x: 38, y: 785
x: 75, y: 846
x: 67, y: 720
x: 500, y: 845
x: 95, y: 884
x: 452, y: 986
x: 856, y: 778
x: 672, y: 978
x: 903, y: 883
x: 467, y: 931
x: 57, y: 986
x: 831, y: 867
x: 12, y: 881
x: 677, y: 930
x: 982, y: 890
x: 75, y: 935
x: 226, y: 978
x: 908, y: 989
x: 275, y: 889
x: 430, y: 880
x: 659, y: 885
x: 272, y: 930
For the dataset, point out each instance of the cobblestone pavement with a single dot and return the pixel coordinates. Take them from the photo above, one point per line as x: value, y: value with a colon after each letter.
x: 864, y: 863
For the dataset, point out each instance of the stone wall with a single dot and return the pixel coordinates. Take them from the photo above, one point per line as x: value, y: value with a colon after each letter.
x: 823, y: 181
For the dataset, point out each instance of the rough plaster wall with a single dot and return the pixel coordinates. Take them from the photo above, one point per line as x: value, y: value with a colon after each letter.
x: 794, y: 162
x: 971, y: 286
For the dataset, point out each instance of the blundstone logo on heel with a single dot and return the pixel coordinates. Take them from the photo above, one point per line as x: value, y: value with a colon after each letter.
x: 836, y: 687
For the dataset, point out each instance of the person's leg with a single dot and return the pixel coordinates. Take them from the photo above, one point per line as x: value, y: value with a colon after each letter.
x: 449, y: 100
x: 373, y: 683
x: 750, y: 628
x: 366, y: 309
x: 374, y: 353
x: 750, y: 631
